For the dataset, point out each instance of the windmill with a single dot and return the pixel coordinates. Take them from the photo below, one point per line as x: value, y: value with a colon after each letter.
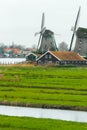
x: 46, y: 39
x: 81, y: 42
x: 75, y: 28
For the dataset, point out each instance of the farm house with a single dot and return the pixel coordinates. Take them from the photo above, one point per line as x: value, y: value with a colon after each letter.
x: 32, y: 57
x: 59, y: 57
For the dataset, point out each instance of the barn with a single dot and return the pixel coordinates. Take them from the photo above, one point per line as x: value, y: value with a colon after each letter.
x: 61, y: 57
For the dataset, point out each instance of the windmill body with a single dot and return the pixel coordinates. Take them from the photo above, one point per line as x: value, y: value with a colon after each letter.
x: 81, y: 38
x: 47, y: 42
x: 81, y: 42
x: 46, y: 39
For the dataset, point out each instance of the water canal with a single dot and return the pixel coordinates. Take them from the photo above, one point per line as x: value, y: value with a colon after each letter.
x: 68, y: 115
x: 11, y: 60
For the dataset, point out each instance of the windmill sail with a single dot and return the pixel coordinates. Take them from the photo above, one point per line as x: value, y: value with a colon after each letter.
x: 43, y: 20
x: 74, y: 30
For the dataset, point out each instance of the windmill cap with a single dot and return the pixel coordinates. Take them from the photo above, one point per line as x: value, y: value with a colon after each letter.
x: 81, y: 32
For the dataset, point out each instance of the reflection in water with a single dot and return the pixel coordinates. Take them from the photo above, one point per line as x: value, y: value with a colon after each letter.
x: 68, y: 115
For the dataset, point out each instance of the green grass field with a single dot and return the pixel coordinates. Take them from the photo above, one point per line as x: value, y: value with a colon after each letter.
x: 50, y: 87
x: 22, y: 123
x: 44, y: 87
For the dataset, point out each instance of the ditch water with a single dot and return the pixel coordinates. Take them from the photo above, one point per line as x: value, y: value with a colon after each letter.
x: 68, y: 115
x: 11, y: 60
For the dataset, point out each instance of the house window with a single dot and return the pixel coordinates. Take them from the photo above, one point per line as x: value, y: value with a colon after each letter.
x: 71, y: 62
x: 68, y: 62
x: 80, y: 41
x: 46, y: 61
x: 50, y: 56
x: 50, y: 62
x: 57, y: 62
x: 83, y: 62
x: 39, y: 62
x: 65, y: 62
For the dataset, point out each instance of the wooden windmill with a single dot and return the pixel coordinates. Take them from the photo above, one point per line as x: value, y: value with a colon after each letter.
x: 46, y: 39
x: 81, y: 42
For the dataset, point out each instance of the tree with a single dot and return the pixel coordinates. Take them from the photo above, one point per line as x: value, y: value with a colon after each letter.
x: 13, y: 45
x: 2, y: 46
x: 63, y: 46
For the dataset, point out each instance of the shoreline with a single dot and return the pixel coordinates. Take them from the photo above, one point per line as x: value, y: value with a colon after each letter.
x: 47, y: 106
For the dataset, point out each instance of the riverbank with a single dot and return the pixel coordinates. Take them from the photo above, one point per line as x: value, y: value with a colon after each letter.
x: 44, y: 87
x: 47, y: 106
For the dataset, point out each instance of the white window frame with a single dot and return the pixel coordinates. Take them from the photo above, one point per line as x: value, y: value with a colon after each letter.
x: 57, y: 62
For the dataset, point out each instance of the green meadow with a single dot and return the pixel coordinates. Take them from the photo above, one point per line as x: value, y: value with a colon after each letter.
x: 49, y: 87
x: 46, y: 87
x: 23, y: 123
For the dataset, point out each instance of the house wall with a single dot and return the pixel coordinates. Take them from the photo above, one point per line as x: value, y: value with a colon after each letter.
x: 74, y: 62
x: 48, y: 59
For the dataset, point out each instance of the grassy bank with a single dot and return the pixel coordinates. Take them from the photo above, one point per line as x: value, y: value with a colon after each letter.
x: 22, y: 123
x: 49, y: 87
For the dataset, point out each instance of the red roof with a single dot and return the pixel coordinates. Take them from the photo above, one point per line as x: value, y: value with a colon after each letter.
x: 15, y: 50
x: 66, y: 55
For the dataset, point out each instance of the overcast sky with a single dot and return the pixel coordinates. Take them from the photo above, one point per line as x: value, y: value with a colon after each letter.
x: 20, y: 19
